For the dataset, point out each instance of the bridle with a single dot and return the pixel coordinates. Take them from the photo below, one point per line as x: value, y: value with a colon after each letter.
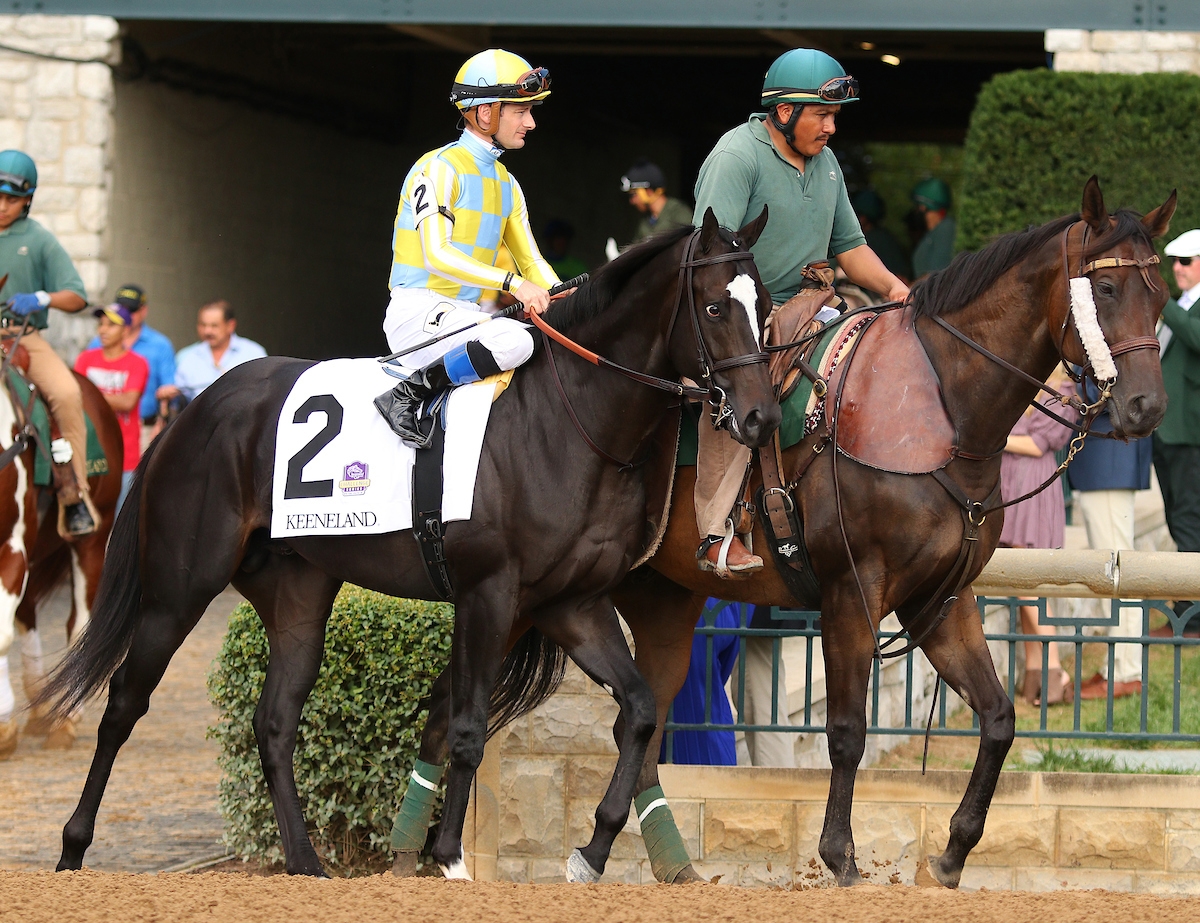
x: 713, y: 393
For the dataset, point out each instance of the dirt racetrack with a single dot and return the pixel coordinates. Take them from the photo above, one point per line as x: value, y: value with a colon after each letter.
x: 91, y: 897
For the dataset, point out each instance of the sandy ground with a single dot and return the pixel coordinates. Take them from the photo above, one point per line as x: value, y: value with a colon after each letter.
x: 217, y: 897
x: 160, y: 808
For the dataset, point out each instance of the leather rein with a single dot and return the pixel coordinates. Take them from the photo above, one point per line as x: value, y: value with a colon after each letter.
x: 708, y: 365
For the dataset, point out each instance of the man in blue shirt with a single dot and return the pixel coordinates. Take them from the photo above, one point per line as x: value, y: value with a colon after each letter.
x: 220, y: 349
x: 151, y: 345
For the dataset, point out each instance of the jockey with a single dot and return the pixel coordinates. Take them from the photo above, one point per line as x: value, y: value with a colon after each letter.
x: 457, y: 206
x: 41, y: 276
x: 779, y: 158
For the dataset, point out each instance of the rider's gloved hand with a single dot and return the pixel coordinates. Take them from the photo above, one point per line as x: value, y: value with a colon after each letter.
x: 26, y: 303
x: 535, y: 298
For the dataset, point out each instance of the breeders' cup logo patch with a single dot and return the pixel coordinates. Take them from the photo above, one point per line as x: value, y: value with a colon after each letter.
x: 354, y: 478
x: 437, y: 317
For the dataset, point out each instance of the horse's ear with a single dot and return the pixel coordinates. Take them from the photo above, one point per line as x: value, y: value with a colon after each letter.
x: 1093, y: 210
x: 750, y: 233
x: 709, y: 230
x: 1159, y: 220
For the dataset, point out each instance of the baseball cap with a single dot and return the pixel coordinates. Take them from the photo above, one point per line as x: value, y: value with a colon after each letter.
x: 132, y: 296
x: 118, y: 313
x: 1186, y: 244
x: 643, y: 175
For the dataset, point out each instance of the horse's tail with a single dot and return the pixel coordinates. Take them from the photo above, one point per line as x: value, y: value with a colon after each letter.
x: 530, y: 673
x: 102, y: 645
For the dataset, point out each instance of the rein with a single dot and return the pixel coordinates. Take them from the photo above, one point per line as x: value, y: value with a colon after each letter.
x: 715, y: 395
x: 27, y: 435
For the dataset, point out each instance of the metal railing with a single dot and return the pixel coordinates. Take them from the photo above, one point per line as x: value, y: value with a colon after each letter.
x: 916, y: 676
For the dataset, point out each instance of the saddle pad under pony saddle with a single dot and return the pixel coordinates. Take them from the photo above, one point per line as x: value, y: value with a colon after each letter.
x: 339, y: 468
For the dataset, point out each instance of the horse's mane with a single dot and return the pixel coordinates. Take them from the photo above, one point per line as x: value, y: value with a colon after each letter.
x: 971, y: 274
x: 595, y: 295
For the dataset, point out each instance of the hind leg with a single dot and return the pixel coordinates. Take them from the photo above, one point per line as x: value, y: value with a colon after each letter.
x: 592, y: 637
x: 294, y: 600
x: 960, y: 654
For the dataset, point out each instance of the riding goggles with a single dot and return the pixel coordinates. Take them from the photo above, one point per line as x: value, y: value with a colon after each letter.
x: 15, y: 184
x: 837, y: 90
x: 531, y: 83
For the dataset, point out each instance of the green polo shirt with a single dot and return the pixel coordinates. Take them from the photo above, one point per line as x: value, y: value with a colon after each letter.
x: 674, y: 215
x: 810, y: 214
x: 35, y: 261
x: 936, y: 249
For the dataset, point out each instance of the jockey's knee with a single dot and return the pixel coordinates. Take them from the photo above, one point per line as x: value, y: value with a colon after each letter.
x: 494, y: 352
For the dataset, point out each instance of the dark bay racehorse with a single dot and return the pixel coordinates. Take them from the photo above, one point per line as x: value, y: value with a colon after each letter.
x: 554, y: 528
x: 905, y: 532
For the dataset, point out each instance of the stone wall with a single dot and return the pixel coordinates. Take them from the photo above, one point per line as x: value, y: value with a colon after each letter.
x: 61, y: 113
x: 1139, y: 52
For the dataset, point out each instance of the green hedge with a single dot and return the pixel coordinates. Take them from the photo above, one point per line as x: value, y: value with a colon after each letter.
x: 1036, y: 136
x: 359, y: 732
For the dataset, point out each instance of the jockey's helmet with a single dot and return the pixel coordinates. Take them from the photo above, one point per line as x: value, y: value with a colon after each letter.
x: 933, y: 193
x: 18, y: 173
x: 498, y: 76
x: 805, y: 76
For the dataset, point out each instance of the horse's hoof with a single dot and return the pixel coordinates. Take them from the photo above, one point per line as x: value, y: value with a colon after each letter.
x: 405, y: 864
x: 930, y: 875
x: 9, y: 736
x: 456, y: 870
x: 686, y: 876
x: 850, y: 877
x: 38, y: 725
x: 61, y: 736
x: 579, y: 872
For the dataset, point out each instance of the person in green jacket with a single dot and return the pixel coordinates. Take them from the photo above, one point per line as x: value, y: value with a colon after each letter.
x: 936, y: 249
x: 40, y: 276
x: 646, y: 186
x: 1177, y: 439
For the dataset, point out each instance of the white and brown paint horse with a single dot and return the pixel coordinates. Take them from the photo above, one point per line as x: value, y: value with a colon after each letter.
x: 34, y: 557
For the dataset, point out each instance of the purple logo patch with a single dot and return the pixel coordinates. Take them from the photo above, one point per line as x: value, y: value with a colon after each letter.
x: 354, y: 478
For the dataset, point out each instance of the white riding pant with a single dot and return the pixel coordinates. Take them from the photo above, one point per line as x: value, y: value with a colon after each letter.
x: 1108, y: 516
x: 417, y: 314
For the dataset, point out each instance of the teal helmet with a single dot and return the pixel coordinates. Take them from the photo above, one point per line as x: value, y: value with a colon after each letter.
x: 869, y: 204
x: 933, y: 193
x: 805, y: 76
x: 18, y: 173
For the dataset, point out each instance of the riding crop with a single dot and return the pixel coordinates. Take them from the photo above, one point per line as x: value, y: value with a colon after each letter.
x: 507, y: 312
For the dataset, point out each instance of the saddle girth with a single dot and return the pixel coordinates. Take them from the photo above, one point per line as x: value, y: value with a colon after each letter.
x: 427, y: 510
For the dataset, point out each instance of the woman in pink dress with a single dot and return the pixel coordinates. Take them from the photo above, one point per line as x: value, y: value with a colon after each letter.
x: 1038, y: 522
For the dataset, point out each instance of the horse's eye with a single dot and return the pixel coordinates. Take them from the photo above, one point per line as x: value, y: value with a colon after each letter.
x: 1106, y: 288
x: 713, y: 310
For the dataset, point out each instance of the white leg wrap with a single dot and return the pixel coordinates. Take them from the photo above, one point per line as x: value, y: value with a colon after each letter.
x: 7, y: 700
x: 1083, y: 309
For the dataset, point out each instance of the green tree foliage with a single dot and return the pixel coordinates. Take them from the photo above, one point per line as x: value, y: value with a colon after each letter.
x: 359, y: 732
x: 1036, y: 136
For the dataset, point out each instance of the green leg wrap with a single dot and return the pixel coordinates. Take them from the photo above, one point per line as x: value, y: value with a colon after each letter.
x: 664, y: 843
x: 416, y: 810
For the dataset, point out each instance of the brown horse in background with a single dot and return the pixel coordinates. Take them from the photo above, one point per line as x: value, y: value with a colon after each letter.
x: 28, y: 521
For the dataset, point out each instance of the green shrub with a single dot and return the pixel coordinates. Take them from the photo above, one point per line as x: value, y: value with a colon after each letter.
x: 1036, y: 136
x: 359, y: 732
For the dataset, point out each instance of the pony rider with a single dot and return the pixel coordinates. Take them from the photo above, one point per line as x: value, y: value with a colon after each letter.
x: 457, y: 206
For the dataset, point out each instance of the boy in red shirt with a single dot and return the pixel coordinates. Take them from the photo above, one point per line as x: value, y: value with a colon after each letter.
x: 121, y: 376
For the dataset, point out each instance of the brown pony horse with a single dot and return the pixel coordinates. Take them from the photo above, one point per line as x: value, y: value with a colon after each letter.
x: 905, y: 532
x: 35, y: 557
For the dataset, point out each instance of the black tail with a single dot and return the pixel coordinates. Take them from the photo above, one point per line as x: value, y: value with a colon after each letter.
x: 104, y: 642
x: 530, y: 673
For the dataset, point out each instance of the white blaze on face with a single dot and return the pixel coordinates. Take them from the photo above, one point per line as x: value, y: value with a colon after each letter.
x: 743, y: 290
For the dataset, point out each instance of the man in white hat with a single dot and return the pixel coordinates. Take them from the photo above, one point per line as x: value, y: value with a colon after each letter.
x: 1177, y: 439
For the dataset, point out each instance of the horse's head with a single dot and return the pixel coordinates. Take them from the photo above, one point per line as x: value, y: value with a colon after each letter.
x: 1109, y: 263
x: 721, y: 346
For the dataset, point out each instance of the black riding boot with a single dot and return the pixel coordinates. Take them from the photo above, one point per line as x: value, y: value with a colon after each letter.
x: 400, y: 405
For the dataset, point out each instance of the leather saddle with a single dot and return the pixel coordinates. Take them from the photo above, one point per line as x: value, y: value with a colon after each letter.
x: 890, y: 413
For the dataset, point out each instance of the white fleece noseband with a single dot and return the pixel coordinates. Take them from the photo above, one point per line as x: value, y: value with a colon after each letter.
x: 1083, y: 310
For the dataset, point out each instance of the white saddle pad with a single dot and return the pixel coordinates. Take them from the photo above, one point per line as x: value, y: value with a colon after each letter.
x: 339, y: 468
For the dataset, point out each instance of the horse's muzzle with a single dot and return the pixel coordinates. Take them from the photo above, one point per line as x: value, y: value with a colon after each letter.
x: 756, y: 428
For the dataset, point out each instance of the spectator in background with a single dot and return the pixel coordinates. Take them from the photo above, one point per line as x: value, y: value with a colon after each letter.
x: 870, y: 208
x: 706, y: 748
x: 121, y: 376
x: 932, y: 200
x: 1177, y: 439
x: 1038, y: 522
x: 220, y: 349
x: 646, y: 186
x: 556, y: 247
x: 765, y: 748
x: 1107, y: 474
x: 148, y: 343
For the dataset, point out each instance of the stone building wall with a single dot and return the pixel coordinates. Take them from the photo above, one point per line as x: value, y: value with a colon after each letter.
x: 60, y: 112
x: 1140, y: 52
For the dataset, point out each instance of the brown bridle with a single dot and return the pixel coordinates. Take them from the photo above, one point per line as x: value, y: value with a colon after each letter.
x: 713, y: 393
